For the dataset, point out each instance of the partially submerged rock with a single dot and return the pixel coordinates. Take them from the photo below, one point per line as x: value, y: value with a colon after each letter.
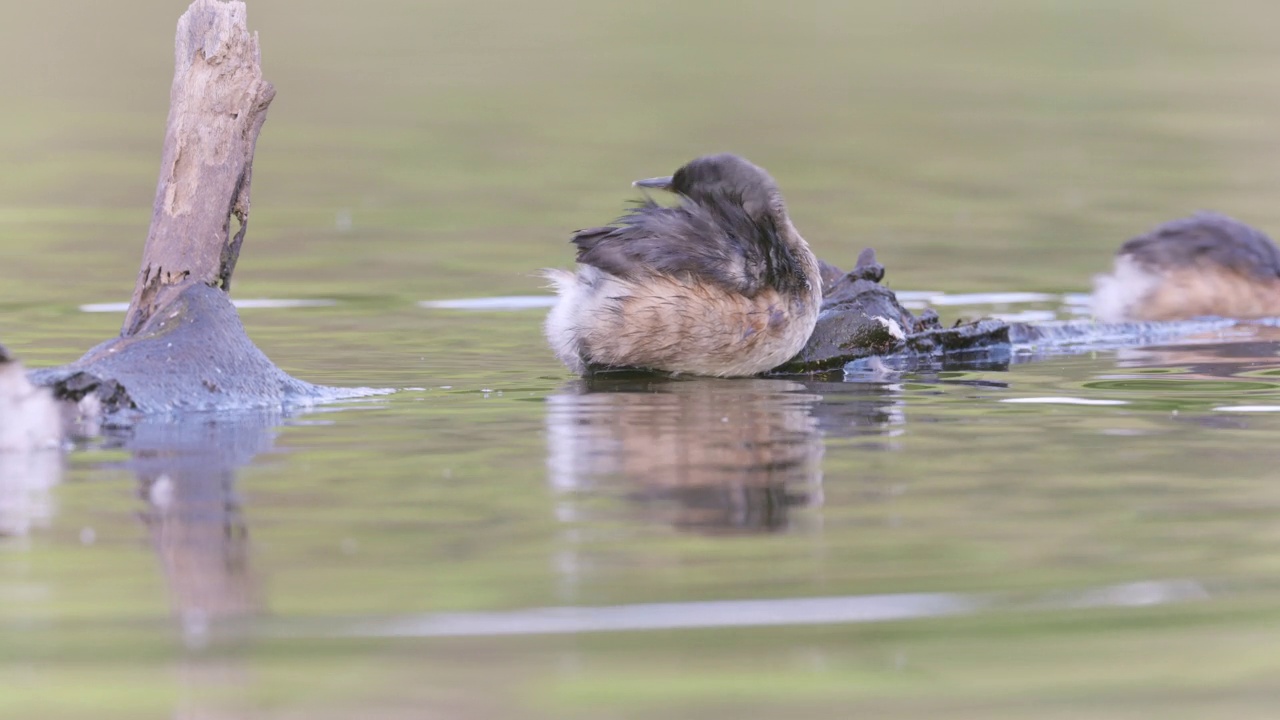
x: 193, y: 356
x: 862, y: 318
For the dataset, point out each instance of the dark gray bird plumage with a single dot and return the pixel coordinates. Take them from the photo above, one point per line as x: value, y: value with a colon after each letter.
x: 1207, y: 237
x: 725, y: 231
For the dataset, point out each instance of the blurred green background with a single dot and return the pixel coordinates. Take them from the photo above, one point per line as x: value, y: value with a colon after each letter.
x: 988, y: 144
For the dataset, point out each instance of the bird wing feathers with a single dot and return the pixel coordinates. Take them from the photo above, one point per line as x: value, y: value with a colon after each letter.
x: 718, y: 244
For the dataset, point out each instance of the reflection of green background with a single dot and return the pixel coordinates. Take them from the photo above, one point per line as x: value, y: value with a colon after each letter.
x: 981, y: 145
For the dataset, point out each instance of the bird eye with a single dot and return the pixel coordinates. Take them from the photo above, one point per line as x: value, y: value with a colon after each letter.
x: 678, y: 180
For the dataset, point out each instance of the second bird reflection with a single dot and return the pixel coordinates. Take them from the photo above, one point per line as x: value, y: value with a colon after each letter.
x: 704, y: 455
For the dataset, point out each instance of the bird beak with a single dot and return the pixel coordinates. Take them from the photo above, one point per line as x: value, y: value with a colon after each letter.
x: 658, y: 183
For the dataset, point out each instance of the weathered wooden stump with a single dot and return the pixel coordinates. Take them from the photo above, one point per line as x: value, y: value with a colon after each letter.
x: 217, y: 105
x: 182, y: 346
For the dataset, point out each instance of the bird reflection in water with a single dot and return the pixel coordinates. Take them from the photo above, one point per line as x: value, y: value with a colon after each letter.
x: 30, y: 450
x: 704, y: 455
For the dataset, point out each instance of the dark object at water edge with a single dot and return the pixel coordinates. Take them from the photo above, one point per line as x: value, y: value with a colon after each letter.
x: 194, y: 356
x: 861, y: 318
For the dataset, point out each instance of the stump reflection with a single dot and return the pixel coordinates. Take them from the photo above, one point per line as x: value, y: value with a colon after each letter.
x: 186, y: 473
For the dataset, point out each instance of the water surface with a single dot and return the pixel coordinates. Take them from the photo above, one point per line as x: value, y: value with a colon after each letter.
x: 1086, y: 534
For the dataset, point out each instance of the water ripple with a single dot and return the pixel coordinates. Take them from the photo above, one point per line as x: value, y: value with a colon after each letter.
x: 766, y: 613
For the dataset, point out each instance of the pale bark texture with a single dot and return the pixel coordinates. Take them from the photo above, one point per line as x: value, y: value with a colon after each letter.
x: 217, y: 105
x: 182, y: 348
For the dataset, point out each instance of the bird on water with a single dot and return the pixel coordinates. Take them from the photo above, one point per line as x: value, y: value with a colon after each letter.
x: 720, y: 284
x: 1204, y: 265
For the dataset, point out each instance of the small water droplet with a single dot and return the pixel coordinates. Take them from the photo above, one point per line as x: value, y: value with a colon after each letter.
x: 161, y: 492
x: 195, y: 629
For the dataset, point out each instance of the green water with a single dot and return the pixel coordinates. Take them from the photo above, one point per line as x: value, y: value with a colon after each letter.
x: 1109, y: 560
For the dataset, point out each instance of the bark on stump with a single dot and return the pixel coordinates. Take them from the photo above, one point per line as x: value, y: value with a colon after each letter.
x: 182, y: 346
x: 217, y: 105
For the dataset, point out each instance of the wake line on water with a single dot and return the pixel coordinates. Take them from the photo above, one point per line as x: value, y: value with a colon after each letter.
x: 849, y: 609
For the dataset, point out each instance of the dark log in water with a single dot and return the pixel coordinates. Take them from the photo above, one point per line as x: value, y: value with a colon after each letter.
x: 861, y: 318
